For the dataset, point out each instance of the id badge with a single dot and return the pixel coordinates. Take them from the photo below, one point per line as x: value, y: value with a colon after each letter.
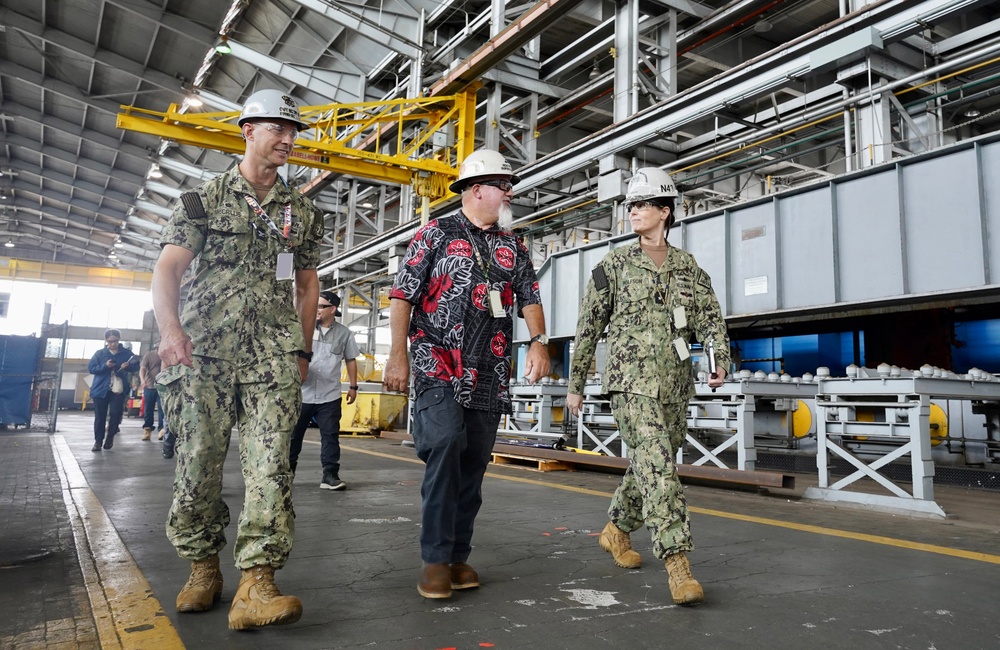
x: 682, y: 349
x: 284, y: 271
x: 680, y: 318
x: 496, y: 307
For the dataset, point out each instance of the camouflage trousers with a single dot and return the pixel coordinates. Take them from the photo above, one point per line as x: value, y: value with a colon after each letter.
x: 202, y: 405
x: 650, y: 491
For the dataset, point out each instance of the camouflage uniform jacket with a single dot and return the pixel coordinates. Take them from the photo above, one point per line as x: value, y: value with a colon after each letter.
x: 640, y: 304
x: 236, y: 308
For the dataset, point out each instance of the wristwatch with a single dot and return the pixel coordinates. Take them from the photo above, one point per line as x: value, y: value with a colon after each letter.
x: 540, y: 338
x: 308, y: 356
x: 353, y: 388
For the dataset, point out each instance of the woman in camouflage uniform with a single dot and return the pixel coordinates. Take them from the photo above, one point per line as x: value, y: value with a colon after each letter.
x: 653, y: 298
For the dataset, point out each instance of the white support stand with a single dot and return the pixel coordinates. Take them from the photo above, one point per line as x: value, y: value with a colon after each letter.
x: 896, y: 414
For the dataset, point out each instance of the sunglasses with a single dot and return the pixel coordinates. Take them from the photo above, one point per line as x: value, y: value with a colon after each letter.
x: 280, y: 129
x: 503, y: 186
x: 641, y: 205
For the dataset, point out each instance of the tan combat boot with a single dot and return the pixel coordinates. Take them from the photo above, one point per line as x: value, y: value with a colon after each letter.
x: 258, y: 602
x: 616, y: 541
x: 203, y: 588
x: 683, y: 587
x: 146, y: 432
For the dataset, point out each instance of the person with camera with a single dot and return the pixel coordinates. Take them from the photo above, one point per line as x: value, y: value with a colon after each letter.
x: 109, y: 389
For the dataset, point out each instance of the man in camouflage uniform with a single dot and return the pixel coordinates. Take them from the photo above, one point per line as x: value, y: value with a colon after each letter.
x: 238, y: 355
x: 652, y: 297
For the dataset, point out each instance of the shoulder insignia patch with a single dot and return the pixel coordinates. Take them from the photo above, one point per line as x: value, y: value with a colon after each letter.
x: 600, y: 277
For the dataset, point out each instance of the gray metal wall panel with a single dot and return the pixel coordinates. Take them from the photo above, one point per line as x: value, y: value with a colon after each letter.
x: 989, y: 176
x: 942, y: 223
x: 806, y: 249
x: 707, y: 241
x: 753, y: 259
x: 842, y: 242
x: 870, y: 248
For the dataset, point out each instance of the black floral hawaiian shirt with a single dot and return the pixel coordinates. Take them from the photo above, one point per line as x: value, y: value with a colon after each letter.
x: 449, y: 269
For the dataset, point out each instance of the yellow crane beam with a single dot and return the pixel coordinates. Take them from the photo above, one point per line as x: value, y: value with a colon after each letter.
x: 71, y: 275
x: 419, y: 142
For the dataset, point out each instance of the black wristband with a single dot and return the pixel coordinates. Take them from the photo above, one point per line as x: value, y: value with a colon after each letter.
x: 353, y: 388
x: 308, y: 356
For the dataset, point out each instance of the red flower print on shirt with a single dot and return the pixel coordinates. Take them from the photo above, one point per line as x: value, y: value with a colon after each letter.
x: 460, y: 247
x: 479, y: 296
x: 435, y: 288
x: 499, y: 344
x: 418, y: 257
x: 504, y: 257
x: 447, y: 363
x: 507, y: 295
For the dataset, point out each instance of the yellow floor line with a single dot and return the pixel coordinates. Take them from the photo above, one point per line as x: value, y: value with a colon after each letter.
x: 126, y: 613
x: 806, y: 528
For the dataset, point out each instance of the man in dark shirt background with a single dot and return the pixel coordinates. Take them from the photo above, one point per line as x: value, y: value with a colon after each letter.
x: 453, y: 297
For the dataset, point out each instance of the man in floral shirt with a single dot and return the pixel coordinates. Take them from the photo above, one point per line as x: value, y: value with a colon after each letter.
x: 453, y: 298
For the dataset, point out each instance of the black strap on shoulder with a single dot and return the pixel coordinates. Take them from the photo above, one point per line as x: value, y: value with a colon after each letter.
x: 193, y: 205
x: 600, y: 278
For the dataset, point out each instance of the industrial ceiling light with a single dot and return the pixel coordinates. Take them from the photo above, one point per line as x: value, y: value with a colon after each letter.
x: 762, y: 26
x: 154, y: 171
x: 194, y: 101
x: 9, y: 244
x: 222, y: 45
x: 595, y: 71
x: 112, y: 255
x: 119, y: 244
x: 971, y: 112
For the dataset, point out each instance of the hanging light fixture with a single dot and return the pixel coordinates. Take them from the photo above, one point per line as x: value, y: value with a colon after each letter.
x: 595, y: 71
x: 763, y: 25
x: 9, y: 244
x: 222, y: 45
x: 154, y: 171
x: 972, y: 112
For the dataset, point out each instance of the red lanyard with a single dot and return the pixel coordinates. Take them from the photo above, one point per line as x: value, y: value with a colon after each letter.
x: 259, y: 211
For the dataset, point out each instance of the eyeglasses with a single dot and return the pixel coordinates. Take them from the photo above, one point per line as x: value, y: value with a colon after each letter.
x: 641, y: 205
x: 280, y: 129
x: 503, y: 186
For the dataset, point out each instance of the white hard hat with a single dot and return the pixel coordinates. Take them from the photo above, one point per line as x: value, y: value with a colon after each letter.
x: 650, y: 183
x: 271, y: 104
x: 482, y: 163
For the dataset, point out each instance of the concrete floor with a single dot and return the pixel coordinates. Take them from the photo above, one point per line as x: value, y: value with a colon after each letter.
x: 84, y: 562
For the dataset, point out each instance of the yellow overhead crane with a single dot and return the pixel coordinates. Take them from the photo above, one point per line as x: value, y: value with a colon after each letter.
x: 418, y: 142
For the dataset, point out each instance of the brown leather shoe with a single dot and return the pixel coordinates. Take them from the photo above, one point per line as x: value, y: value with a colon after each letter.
x: 435, y: 582
x: 463, y: 576
x: 203, y: 588
x: 258, y: 602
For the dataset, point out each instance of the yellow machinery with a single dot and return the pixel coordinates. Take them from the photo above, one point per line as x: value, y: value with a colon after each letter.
x: 419, y: 142
x: 371, y: 412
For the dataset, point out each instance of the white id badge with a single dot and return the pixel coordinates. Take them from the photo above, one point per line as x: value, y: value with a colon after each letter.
x: 682, y: 349
x: 496, y: 307
x: 284, y: 266
x: 680, y: 318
